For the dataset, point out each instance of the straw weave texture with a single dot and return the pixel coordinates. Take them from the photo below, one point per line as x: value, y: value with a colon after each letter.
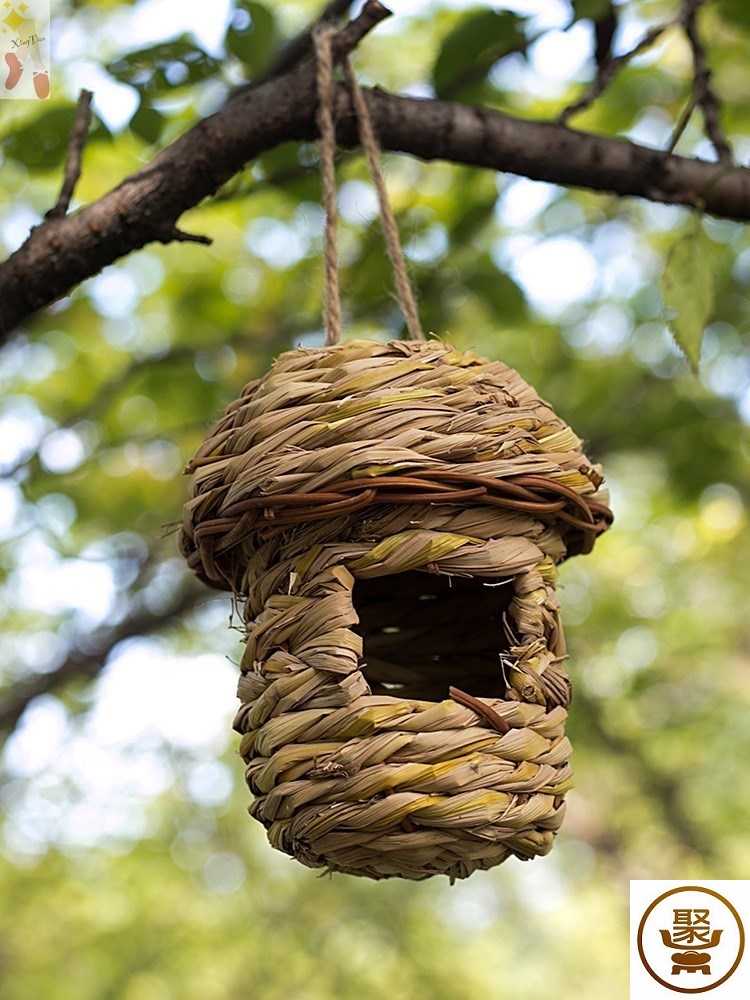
x: 391, y: 515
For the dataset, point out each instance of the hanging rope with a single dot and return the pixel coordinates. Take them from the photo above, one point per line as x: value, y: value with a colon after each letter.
x: 326, y: 92
x: 390, y: 230
x: 327, y: 129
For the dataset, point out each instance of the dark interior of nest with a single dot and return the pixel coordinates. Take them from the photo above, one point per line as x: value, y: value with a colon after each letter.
x: 423, y: 633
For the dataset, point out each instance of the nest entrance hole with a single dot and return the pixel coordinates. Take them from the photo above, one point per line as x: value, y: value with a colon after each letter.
x: 424, y: 632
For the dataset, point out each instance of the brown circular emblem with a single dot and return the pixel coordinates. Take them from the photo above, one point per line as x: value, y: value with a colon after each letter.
x: 691, y: 939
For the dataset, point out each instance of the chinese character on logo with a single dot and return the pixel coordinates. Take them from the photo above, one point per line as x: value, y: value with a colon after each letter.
x: 691, y: 932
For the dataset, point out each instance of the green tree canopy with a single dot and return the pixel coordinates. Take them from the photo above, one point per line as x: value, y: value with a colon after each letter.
x: 568, y: 185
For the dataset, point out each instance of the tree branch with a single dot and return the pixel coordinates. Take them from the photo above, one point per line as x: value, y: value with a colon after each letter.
x: 703, y: 94
x: 77, y: 141
x: 146, y: 206
x: 298, y: 47
x: 87, y: 660
x: 605, y: 29
x: 608, y: 69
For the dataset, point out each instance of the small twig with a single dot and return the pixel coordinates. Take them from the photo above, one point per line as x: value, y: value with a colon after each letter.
x: 77, y: 141
x: 176, y: 235
x: 681, y: 125
x: 608, y: 70
x: 298, y: 47
x: 342, y: 43
x: 605, y: 28
x: 346, y: 40
x: 703, y: 94
x: 483, y: 711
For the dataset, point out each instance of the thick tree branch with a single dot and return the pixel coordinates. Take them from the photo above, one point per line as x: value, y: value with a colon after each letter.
x: 146, y: 206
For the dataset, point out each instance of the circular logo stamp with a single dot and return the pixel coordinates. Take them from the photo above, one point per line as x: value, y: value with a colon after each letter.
x: 691, y: 939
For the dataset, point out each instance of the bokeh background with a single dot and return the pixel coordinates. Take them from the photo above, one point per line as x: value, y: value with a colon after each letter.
x: 128, y: 867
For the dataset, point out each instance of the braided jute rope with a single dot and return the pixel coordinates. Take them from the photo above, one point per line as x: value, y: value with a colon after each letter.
x: 325, y: 87
x: 391, y: 515
x: 327, y: 129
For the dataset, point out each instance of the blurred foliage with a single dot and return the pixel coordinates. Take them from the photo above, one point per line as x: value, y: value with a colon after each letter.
x: 129, y: 868
x: 479, y: 40
x: 252, y: 36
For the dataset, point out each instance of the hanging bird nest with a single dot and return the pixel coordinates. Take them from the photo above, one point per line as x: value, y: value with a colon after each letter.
x: 392, y: 515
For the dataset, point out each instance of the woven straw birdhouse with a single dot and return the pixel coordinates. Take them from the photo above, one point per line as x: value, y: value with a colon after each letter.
x: 392, y: 516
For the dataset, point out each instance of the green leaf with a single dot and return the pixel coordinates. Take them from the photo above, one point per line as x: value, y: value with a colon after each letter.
x: 288, y: 169
x: 479, y: 40
x: 735, y: 11
x: 688, y: 288
x: 474, y: 216
x: 147, y: 123
x: 590, y: 10
x: 165, y: 66
x: 42, y: 143
x: 251, y: 35
x: 500, y: 291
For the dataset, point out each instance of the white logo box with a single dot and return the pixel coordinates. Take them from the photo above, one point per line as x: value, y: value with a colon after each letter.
x: 689, y: 938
